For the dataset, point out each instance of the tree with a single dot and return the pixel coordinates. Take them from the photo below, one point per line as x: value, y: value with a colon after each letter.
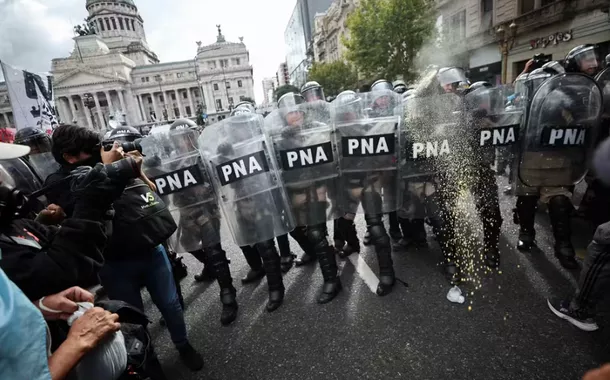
x: 386, y: 36
x: 334, y: 77
x: 277, y: 94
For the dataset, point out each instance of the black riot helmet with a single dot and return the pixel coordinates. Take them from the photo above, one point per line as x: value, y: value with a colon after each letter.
x: 348, y: 107
x: 553, y: 67
x: 37, y: 139
x: 400, y: 87
x: 289, y: 107
x: 537, y: 77
x: 539, y: 61
x: 312, y: 91
x: 183, y: 124
x: 607, y: 60
x: 480, y: 98
x: 583, y: 59
x: 452, y: 79
x: 244, y: 107
x: 123, y: 133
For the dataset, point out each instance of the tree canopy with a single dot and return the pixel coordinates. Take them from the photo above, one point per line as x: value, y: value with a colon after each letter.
x: 334, y: 77
x: 284, y: 90
x: 386, y: 35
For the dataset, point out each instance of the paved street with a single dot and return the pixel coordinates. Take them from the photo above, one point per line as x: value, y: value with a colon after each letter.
x: 503, y: 331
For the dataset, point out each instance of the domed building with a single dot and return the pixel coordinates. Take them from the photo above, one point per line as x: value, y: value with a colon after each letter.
x: 115, y: 72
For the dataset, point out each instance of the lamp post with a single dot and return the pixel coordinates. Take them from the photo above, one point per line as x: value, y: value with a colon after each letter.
x: 506, y: 41
x: 90, y: 103
x: 159, y: 80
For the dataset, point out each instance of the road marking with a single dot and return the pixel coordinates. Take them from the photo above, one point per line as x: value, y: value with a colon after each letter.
x: 364, y: 271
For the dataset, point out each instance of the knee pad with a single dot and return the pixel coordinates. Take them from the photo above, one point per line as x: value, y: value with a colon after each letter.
x: 377, y: 231
x: 317, y: 236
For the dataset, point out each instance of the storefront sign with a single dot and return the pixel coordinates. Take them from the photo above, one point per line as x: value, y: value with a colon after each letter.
x: 552, y: 39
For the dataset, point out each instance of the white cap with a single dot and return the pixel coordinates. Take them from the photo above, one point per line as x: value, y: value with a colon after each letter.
x: 10, y: 151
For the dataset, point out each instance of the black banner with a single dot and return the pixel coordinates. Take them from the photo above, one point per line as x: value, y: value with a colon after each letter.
x: 242, y: 167
x: 499, y: 136
x: 178, y: 180
x: 307, y: 156
x: 366, y: 146
x: 553, y: 136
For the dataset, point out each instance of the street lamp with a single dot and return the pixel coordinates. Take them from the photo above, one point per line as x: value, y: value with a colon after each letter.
x: 90, y: 103
x: 159, y: 80
x: 506, y: 41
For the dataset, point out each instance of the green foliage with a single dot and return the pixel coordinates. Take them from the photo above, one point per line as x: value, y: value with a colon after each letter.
x: 284, y: 90
x: 386, y: 35
x: 334, y: 77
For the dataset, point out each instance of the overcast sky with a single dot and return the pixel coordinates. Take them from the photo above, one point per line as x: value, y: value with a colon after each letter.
x: 32, y: 32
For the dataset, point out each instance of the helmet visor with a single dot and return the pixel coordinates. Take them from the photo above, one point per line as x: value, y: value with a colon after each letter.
x: 313, y: 94
x: 589, y: 61
x: 452, y: 75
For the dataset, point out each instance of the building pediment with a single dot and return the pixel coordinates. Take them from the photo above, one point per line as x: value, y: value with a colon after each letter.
x: 81, y: 77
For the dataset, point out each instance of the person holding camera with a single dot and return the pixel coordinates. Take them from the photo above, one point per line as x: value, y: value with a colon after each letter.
x: 134, y: 256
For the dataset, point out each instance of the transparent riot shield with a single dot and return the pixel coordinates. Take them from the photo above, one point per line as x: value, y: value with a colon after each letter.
x: 367, y: 136
x: 561, y: 131
x: 173, y: 163
x: 495, y: 127
x: 44, y: 164
x: 603, y: 79
x: 307, y: 160
x: 17, y: 174
x: 432, y: 141
x: 245, y: 177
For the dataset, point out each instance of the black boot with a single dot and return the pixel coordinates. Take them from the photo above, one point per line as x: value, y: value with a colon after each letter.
x: 525, y: 215
x: 348, y: 231
x: 287, y: 257
x: 492, y: 221
x: 366, y: 240
x: 395, y: 232
x: 560, y: 208
x: 444, y: 230
x: 418, y: 233
x: 326, y: 259
x: 383, y: 248
x: 206, y: 274
x: 253, y: 259
x: 220, y: 265
x: 309, y: 256
x: 272, y: 265
x: 338, y: 238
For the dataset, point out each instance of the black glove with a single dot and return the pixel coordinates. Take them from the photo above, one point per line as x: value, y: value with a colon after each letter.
x: 94, y: 191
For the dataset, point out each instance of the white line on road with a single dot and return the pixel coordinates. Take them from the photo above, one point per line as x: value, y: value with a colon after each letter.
x: 364, y: 271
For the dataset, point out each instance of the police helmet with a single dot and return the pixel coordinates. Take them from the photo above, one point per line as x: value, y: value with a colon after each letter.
x: 400, y: 87
x: 607, y: 60
x: 244, y: 107
x: 312, y: 91
x: 348, y: 107
x: 583, y: 59
x: 183, y: 124
x: 37, y: 139
x: 451, y: 76
x: 539, y: 60
x: 290, y: 102
x: 482, y: 99
x: 553, y: 67
x: 123, y: 133
x: 537, y: 77
x: 381, y: 84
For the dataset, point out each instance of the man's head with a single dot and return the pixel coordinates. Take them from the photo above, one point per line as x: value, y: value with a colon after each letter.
x: 35, y: 138
x: 312, y: 91
x: 452, y: 79
x: 73, y: 145
x: 583, y: 59
x: 289, y: 106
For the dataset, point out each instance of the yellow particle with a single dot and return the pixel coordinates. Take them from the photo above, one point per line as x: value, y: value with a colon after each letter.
x: 469, y: 308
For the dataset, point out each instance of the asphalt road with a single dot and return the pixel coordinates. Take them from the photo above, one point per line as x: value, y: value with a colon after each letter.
x: 504, y: 330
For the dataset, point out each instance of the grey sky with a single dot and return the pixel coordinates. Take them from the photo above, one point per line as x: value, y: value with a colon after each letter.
x: 32, y: 32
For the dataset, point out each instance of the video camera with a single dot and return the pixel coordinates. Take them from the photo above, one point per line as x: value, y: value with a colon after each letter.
x: 127, y: 146
x: 539, y: 61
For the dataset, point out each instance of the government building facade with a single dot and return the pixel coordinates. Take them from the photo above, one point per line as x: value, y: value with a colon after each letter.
x: 115, y: 72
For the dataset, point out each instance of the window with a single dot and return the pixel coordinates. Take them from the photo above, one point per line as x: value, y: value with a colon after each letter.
x: 133, y: 25
x: 188, y: 110
x: 526, y: 6
x: 113, y: 23
x: 458, y: 26
x: 230, y: 100
x: 150, y: 100
x: 121, y: 23
x: 195, y: 92
x: 224, y: 63
x: 242, y: 98
x: 179, y: 75
x: 236, y: 61
x: 184, y: 95
x: 215, y: 86
x: 173, y: 96
x: 488, y: 5
x: 107, y: 23
x: 547, y: 2
x: 143, y: 80
x: 212, y: 65
x: 100, y: 24
x: 239, y: 83
x: 161, y: 99
x: 228, y: 84
x: 127, y: 24
x: 147, y: 79
x: 219, y: 103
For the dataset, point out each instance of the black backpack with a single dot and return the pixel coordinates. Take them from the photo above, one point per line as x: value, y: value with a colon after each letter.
x: 141, y: 221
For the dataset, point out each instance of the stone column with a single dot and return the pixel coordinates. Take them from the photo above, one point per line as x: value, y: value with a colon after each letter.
x: 122, y: 101
x: 73, y: 110
x: 189, y: 94
x: 86, y: 111
x: 157, y: 110
x: 100, y: 115
x: 140, y: 104
x: 109, y: 100
x: 6, y: 121
x: 181, y: 112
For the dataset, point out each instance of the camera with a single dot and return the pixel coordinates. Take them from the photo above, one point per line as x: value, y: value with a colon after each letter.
x: 127, y: 146
x: 539, y: 60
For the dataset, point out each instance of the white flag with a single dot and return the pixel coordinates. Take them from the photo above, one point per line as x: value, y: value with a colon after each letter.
x: 31, y: 97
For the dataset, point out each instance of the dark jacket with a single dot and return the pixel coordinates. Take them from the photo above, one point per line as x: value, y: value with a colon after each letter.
x: 68, y: 255
x: 61, y: 194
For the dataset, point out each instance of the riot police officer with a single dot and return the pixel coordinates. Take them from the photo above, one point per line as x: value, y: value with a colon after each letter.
x: 35, y: 138
x: 400, y: 87
x: 584, y: 59
x: 312, y: 91
x: 308, y: 196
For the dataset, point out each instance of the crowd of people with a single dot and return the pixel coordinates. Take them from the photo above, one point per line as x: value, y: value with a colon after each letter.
x: 114, y: 210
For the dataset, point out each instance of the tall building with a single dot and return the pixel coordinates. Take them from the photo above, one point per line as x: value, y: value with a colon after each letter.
x: 6, y: 113
x: 329, y: 30
x: 482, y: 35
x: 298, y: 38
x: 268, y: 88
x: 282, y: 77
x: 120, y: 72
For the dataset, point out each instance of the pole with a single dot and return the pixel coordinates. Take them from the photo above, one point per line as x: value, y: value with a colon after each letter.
x: 224, y: 78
